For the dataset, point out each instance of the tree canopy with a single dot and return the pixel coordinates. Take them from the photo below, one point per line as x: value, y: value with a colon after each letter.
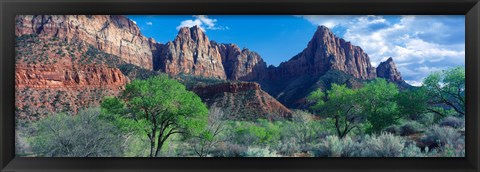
x: 159, y: 106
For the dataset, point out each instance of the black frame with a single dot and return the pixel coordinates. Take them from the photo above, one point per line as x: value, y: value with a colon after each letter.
x: 10, y: 8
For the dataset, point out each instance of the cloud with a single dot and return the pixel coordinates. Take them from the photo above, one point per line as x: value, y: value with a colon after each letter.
x: 133, y: 21
x: 149, y: 23
x: 203, y: 22
x: 419, y: 45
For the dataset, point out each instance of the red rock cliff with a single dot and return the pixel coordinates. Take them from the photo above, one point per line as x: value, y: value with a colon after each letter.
x: 115, y: 35
x: 324, y: 52
x: 191, y: 53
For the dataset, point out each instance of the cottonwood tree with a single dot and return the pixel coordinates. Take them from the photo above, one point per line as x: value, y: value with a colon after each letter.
x: 447, y: 88
x: 341, y: 105
x: 377, y: 100
x: 160, y: 107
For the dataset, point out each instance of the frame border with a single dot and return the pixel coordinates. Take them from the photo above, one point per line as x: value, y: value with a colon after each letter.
x: 10, y: 8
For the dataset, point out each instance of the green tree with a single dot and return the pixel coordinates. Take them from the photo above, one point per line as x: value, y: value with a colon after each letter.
x: 83, y: 135
x: 161, y: 107
x: 447, y: 88
x: 413, y: 102
x: 378, y: 105
x: 341, y: 105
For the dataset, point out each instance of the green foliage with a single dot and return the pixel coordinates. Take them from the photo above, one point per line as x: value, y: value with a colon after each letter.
x: 161, y: 107
x: 377, y: 101
x: 83, y: 135
x: 318, y: 99
x: 413, y: 102
x: 447, y: 88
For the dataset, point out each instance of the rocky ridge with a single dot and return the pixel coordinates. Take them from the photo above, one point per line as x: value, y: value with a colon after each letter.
x: 243, y: 101
x: 112, y: 34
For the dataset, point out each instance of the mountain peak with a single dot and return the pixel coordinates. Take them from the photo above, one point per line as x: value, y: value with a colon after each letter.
x: 389, y: 71
x: 194, y: 33
x: 322, y: 31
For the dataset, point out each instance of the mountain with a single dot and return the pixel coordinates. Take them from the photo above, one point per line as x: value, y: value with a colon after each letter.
x: 68, y: 62
x: 326, y: 52
x: 243, y: 101
x: 388, y: 70
x: 112, y: 34
x: 193, y: 53
x: 242, y: 64
x: 190, y: 53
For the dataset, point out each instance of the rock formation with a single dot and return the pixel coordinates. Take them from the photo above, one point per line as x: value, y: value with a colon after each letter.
x: 191, y: 53
x: 242, y: 64
x: 326, y: 52
x: 78, y: 55
x: 41, y: 76
x: 115, y: 35
x: 243, y: 101
x: 388, y: 70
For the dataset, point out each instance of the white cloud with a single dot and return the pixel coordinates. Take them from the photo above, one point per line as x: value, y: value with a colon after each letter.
x: 203, y: 22
x: 419, y: 45
x: 149, y: 23
x: 414, y: 83
x: 133, y: 21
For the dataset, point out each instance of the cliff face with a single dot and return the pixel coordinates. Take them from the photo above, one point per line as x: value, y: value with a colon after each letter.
x: 57, y: 76
x: 326, y: 52
x: 243, y: 101
x: 389, y: 71
x: 191, y: 53
x: 115, y: 35
x: 241, y: 64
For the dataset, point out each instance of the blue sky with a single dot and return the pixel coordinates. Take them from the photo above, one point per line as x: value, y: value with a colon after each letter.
x: 418, y: 44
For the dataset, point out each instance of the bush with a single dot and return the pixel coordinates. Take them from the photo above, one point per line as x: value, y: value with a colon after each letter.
x: 227, y: 149
x: 385, y: 145
x: 441, y: 136
x: 452, y: 122
x: 410, y: 128
x: 260, y: 152
x: 83, y: 135
x: 413, y: 151
x: 288, y: 146
x: 333, y: 146
x: 392, y: 129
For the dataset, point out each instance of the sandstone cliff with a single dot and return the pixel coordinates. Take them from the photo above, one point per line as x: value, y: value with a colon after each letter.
x: 243, y: 101
x: 115, y: 35
x: 56, y: 76
x: 242, y: 64
x: 388, y: 70
x: 326, y: 52
x: 190, y: 53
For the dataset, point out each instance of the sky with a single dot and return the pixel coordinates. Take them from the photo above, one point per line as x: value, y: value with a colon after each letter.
x: 418, y: 44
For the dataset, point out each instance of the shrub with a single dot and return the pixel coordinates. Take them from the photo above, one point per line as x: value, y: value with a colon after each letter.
x: 452, y: 122
x: 288, y: 146
x: 410, y: 128
x: 333, y: 146
x: 413, y: 151
x: 260, y: 152
x: 393, y: 129
x: 228, y: 149
x: 441, y: 136
x: 83, y: 135
x: 385, y: 145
